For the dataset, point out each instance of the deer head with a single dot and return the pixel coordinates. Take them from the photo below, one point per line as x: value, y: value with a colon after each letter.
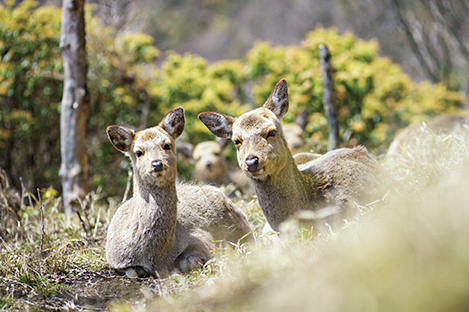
x: 152, y: 151
x: 258, y: 134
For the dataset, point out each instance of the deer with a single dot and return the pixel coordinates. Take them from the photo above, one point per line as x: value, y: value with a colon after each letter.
x: 442, y: 124
x: 166, y: 227
x: 211, y: 167
x: 284, y: 185
x: 210, y: 162
x: 293, y: 135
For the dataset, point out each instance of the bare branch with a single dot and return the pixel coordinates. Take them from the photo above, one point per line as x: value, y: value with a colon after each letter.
x: 414, y: 46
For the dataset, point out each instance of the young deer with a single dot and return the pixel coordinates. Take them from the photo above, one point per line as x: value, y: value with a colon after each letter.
x: 284, y: 187
x: 166, y: 226
x: 210, y: 163
x: 211, y: 167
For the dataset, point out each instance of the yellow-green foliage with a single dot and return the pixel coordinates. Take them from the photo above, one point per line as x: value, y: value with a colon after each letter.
x: 30, y: 91
x: 31, y: 84
x: 190, y: 81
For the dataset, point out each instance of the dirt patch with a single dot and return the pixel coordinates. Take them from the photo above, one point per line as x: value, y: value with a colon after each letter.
x: 86, y: 291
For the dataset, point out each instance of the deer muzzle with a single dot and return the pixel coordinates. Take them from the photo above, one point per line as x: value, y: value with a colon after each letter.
x: 252, y: 163
x: 157, y: 165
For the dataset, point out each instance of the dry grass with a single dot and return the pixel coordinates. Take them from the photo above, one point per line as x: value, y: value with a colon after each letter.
x: 47, y: 250
x: 406, y: 253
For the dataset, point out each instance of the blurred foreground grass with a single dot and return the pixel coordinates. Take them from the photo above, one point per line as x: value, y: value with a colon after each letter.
x: 410, y: 252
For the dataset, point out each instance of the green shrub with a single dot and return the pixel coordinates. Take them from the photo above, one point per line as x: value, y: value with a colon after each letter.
x: 190, y: 81
x: 30, y: 93
x: 31, y: 86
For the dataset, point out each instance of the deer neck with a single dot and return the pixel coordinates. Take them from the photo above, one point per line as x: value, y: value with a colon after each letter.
x: 156, y: 215
x: 284, y: 193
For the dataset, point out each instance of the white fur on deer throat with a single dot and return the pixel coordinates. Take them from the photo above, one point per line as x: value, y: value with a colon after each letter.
x: 157, y: 174
x: 256, y: 174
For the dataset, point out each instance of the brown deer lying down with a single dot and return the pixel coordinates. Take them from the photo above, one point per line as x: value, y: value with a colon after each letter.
x: 442, y: 123
x: 210, y: 163
x: 283, y: 187
x: 166, y: 226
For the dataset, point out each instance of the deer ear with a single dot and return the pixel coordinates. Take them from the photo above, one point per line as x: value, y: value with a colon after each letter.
x: 174, y: 122
x: 121, y: 137
x: 223, y: 142
x: 218, y: 123
x: 278, y: 99
x: 184, y: 149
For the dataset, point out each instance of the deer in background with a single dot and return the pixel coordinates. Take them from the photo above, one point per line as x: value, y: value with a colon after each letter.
x: 211, y: 166
x: 210, y: 162
x: 283, y: 186
x: 164, y: 226
x: 294, y: 133
x: 442, y: 123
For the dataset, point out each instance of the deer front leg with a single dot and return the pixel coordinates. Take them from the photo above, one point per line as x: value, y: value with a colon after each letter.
x: 190, y: 260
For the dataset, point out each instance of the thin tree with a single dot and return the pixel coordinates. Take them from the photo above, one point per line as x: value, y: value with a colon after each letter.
x: 75, y: 105
x: 328, y: 98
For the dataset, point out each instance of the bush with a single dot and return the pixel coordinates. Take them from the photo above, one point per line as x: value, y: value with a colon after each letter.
x: 30, y: 93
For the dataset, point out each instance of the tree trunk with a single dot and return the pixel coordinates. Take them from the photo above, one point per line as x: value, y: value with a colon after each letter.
x: 75, y: 105
x: 328, y: 98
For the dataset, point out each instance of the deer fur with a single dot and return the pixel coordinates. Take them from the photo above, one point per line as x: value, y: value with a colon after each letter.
x: 165, y: 226
x: 284, y: 187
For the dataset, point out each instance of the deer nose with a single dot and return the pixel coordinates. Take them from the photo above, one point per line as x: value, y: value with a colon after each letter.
x: 208, y: 164
x: 157, y: 165
x: 252, y: 163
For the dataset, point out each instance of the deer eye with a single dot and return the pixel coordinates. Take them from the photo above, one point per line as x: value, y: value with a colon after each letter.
x: 139, y: 153
x: 237, y: 142
x: 167, y: 146
x: 271, y: 133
